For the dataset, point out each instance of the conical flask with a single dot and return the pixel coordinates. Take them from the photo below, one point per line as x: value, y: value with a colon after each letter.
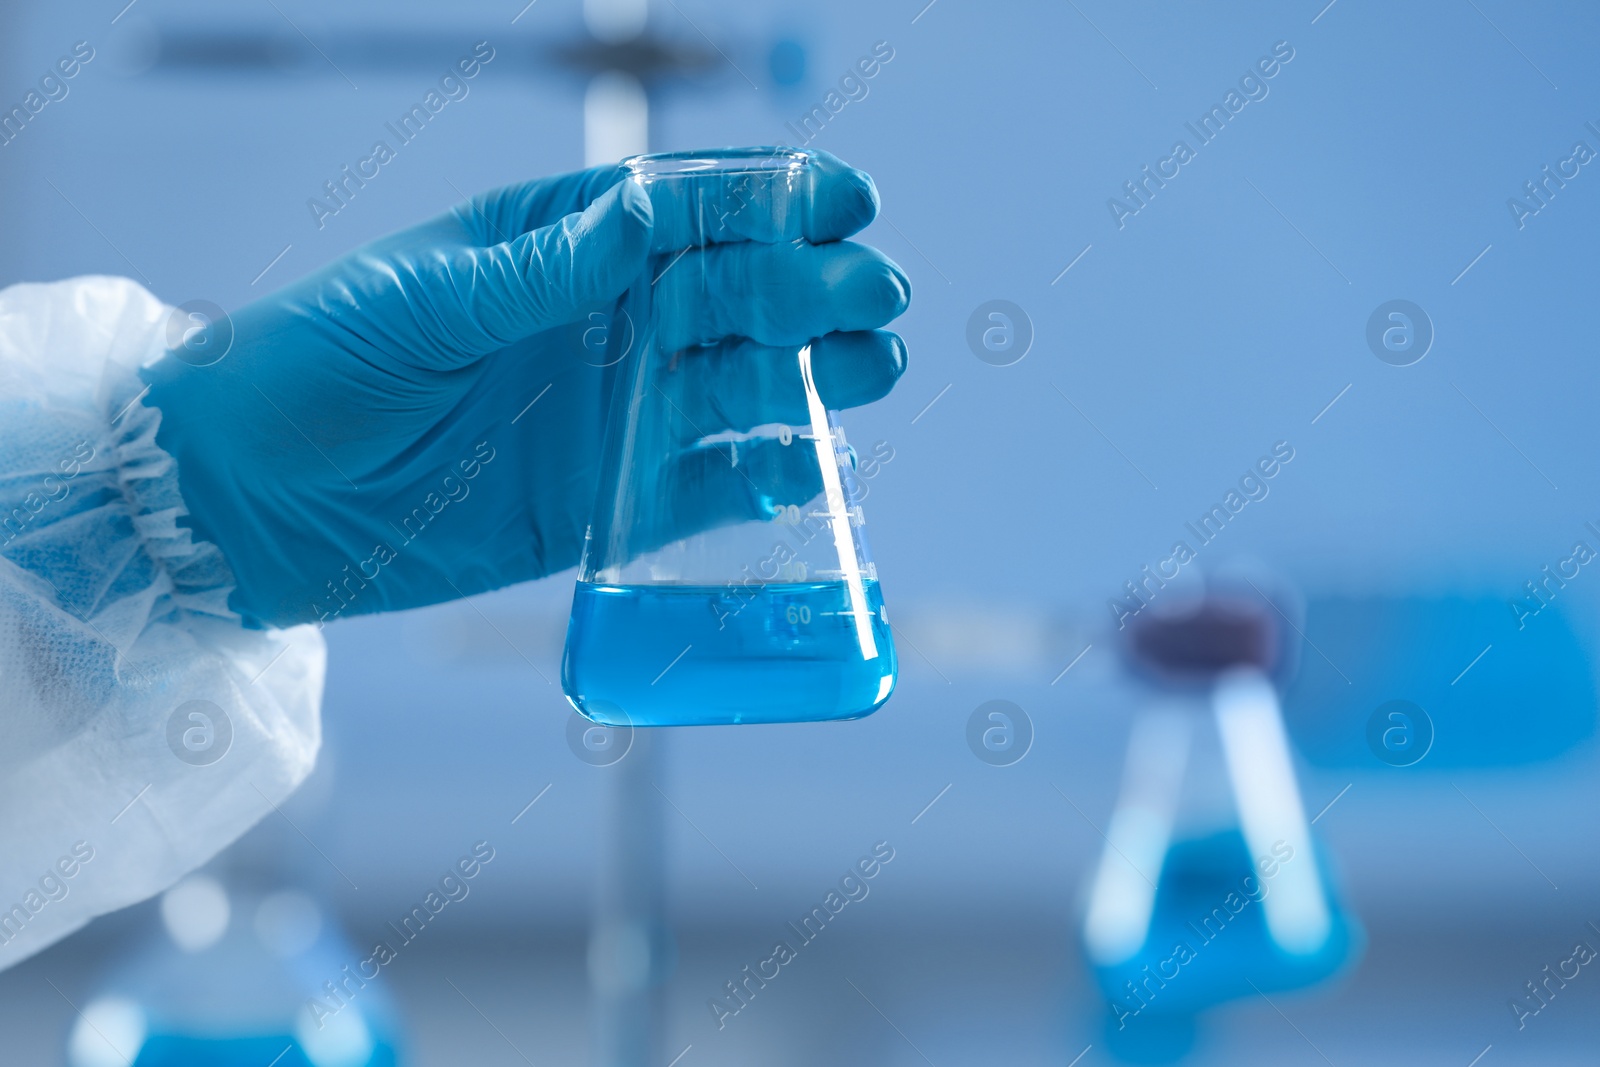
x: 726, y: 576
x: 242, y: 972
x: 1211, y: 886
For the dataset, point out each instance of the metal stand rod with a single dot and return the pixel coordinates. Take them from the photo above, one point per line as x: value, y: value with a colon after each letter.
x: 630, y: 947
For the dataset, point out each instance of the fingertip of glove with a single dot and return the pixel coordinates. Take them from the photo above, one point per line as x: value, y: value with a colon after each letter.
x: 638, y: 224
x: 637, y: 204
x: 619, y: 224
x: 625, y: 218
x: 865, y: 191
x: 845, y: 199
x: 896, y: 289
x: 624, y: 202
x: 899, y: 355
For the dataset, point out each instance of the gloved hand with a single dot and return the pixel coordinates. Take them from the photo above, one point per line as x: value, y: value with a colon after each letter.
x: 422, y: 418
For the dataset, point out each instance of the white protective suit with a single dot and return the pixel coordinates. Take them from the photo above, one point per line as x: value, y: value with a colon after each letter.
x: 145, y: 727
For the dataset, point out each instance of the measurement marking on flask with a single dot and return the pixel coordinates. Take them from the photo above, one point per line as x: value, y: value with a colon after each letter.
x: 674, y: 663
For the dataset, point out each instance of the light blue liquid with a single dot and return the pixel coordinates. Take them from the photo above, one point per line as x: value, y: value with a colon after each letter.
x: 693, y: 655
x: 177, y: 1050
x: 1207, y: 900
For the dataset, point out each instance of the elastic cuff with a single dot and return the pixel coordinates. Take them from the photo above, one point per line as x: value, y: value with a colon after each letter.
x: 148, y: 477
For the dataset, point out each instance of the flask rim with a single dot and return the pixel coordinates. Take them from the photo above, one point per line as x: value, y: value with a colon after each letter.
x: 764, y: 159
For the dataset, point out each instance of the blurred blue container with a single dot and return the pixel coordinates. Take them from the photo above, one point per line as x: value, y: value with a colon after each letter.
x: 237, y: 979
x: 1482, y: 692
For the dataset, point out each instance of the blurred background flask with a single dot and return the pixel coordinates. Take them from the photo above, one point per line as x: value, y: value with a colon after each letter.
x: 241, y: 971
x: 1211, y: 887
x: 726, y: 576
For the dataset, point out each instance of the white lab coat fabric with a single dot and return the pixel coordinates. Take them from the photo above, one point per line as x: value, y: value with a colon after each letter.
x: 115, y: 633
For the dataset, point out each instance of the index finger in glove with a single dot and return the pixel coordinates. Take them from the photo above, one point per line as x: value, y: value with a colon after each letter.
x: 508, y: 212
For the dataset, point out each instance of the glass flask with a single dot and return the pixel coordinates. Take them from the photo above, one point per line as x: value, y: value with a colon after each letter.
x: 1210, y: 887
x: 725, y: 576
x: 239, y: 974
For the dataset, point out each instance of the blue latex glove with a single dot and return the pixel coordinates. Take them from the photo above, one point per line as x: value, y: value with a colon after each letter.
x: 422, y: 419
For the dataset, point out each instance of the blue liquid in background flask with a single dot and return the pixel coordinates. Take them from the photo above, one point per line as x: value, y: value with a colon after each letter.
x: 726, y: 576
